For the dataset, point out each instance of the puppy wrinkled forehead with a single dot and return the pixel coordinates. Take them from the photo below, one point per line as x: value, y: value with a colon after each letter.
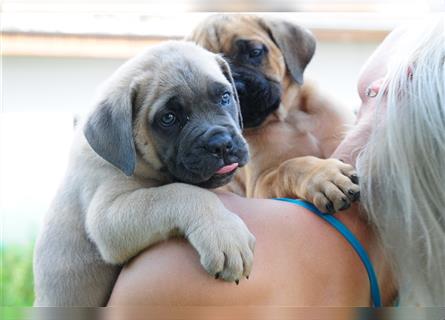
x: 187, y: 63
x: 183, y: 70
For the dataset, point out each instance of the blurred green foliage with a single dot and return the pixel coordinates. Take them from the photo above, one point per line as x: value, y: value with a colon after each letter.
x: 16, y: 278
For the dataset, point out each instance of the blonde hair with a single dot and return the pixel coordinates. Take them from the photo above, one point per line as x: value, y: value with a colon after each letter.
x: 403, y: 166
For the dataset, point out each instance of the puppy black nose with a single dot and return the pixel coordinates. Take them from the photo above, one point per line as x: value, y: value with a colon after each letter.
x: 240, y: 87
x: 219, y: 144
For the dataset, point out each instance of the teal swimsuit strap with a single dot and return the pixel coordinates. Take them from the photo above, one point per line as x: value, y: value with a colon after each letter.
x: 353, y: 241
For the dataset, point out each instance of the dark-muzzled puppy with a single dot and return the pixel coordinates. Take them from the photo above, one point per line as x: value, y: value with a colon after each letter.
x: 165, y: 124
x: 291, y: 128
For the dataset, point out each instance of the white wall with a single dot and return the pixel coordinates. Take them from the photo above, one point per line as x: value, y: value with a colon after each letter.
x: 68, y: 84
x: 40, y: 96
x: 52, y: 84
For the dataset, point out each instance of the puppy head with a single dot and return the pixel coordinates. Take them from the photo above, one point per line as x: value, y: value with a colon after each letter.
x: 262, y: 53
x: 174, y: 107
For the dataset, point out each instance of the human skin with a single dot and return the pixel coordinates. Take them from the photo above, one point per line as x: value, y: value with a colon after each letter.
x: 300, y: 260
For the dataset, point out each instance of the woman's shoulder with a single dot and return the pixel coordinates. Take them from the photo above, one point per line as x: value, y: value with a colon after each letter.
x: 318, y: 260
x: 299, y: 260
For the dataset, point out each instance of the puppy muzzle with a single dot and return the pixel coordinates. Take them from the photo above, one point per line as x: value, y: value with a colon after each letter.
x: 211, y: 158
x: 258, y: 95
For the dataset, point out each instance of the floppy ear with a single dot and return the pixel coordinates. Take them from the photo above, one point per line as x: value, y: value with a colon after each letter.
x: 109, y: 130
x: 296, y: 43
x: 228, y: 74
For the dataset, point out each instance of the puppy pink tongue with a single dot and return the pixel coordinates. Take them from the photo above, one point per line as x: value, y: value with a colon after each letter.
x: 228, y: 168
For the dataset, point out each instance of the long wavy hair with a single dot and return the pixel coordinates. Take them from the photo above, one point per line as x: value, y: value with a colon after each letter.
x: 403, y: 166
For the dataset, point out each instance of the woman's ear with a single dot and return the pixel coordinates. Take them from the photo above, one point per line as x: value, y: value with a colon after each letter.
x: 109, y: 128
x: 228, y: 74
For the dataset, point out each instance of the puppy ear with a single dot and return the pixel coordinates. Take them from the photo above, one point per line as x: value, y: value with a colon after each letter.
x: 296, y: 43
x: 109, y: 130
x: 228, y: 74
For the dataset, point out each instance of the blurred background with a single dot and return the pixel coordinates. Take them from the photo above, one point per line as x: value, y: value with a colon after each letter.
x: 54, y: 55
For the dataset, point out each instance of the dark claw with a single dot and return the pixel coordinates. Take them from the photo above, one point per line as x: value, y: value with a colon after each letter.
x: 345, y: 205
x: 237, y: 282
x: 217, y: 275
x: 330, y: 207
x: 341, y: 160
x: 354, y: 179
x: 247, y: 277
x: 354, y: 195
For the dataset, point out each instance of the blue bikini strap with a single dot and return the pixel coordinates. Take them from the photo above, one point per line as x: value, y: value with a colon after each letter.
x: 349, y: 236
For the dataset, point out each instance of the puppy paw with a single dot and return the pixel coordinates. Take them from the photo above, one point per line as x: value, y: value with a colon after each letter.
x: 225, y: 247
x: 333, y: 187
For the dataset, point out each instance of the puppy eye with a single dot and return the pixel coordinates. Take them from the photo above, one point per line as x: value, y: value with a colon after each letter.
x: 225, y: 98
x: 256, y: 52
x: 168, y: 119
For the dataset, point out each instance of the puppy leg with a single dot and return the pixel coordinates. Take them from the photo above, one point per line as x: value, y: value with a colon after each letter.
x: 329, y: 184
x: 123, y: 223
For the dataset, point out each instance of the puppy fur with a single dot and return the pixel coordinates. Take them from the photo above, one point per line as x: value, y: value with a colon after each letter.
x: 291, y: 128
x: 124, y: 187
